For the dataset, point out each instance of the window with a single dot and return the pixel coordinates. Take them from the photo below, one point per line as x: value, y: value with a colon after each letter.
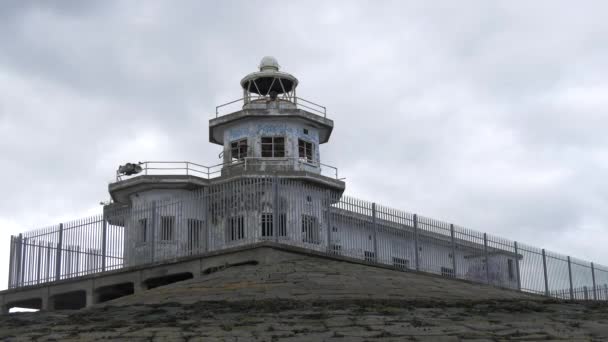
x: 334, y: 229
x: 143, y: 229
x: 447, y: 272
x: 167, y: 226
x: 273, y: 147
x: 370, y: 256
x: 310, y: 229
x: 267, y: 225
x: 238, y: 150
x: 510, y: 267
x: 400, y: 263
x: 195, y: 228
x: 236, y: 228
x: 305, y: 130
x: 335, y: 249
x: 305, y: 151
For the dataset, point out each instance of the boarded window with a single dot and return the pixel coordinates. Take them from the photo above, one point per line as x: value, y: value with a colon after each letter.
x: 238, y: 150
x: 310, y: 229
x: 143, y: 229
x: 305, y: 151
x: 167, y: 228
x: 401, y: 263
x: 236, y: 229
x: 273, y: 147
x: 195, y: 229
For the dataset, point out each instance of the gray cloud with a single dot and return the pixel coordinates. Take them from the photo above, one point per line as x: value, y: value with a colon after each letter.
x: 490, y: 115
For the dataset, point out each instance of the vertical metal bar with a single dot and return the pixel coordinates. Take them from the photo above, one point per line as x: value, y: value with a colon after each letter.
x: 485, y: 252
x: 58, y: 257
x: 545, y: 272
x: 152, y: 231
x: 593, y: 280
x: 570, y: 278
x: 329, y: 224
x: 11, y: 267
x: 453, y: 241
x: 416, y: 256
x: 19, y: 261
x: 517, y: 266
x: 104, y: 241
x: 375, y: 232
x: 275, y: 208
x: 207, y: 199
x: 39, y: 265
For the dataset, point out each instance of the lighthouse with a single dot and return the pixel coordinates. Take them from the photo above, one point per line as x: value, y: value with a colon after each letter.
x: 271, y: 183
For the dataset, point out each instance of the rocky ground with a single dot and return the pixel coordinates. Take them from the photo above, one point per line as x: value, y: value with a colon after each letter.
x: 337, y: 320
x: 283, y: 296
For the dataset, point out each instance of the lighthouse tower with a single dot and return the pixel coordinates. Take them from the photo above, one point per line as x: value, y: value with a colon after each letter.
x: 271, y: 184
x: 275, y: 132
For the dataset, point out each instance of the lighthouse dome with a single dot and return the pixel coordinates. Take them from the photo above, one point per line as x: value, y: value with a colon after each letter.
x: 269, y: 63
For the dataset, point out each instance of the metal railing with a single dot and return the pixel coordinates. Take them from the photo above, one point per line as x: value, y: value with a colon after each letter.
x: 298, y: 102
x: 296, y: 214
x: 208, y: 172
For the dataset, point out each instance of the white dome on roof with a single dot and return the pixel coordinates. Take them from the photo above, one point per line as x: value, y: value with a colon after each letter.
x: 269, y: 63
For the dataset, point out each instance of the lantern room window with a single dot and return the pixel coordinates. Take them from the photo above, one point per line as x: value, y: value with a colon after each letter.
x: 273, y: 147
x: 305, y: 151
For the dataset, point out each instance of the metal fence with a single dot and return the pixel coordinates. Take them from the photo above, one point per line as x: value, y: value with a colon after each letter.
x: 293, y: 213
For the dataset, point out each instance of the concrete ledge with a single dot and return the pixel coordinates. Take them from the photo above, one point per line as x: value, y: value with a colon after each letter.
x: 258, y: 253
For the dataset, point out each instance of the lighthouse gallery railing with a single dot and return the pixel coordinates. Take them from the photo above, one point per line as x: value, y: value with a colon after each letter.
x: 262, y: 209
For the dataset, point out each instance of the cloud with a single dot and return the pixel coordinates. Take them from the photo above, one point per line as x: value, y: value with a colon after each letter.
x: 489, y: 115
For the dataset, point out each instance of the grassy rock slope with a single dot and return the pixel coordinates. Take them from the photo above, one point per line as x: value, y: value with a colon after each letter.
x: 284, y: 296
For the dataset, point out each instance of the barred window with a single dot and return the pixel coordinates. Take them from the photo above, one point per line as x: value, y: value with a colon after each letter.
x: 143, y: 229
x: 238, y: 150
x: 273, y: 147
x: 195, y: 228
x: 401, y: 263
x: 268, y: 223
x: 305, y: 151
x: 335, y: 248
x: 369, y: 256
x: 236, y: 228
x: 310, y: 229
x: 167, y: 227
x: 447, y: 272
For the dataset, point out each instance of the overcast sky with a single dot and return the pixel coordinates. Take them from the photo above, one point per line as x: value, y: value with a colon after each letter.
x: 492, y: 115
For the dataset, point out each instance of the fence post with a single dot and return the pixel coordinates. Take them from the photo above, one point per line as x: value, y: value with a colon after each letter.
x: 485, y: 252
x: 545, y: 272
x: 593, y: 281
x: 19, y: 260
x: 453, y: 240
x: 605, y: 291
x: 375, y: 227
x: 570, y: 279
x: 104, y: 241
x: 39, y: 265
x: 58, y: 255
x: 275, y: 208
x: 517, y: 266
x: 329, y: 227
x: 585, y: 293
x: 153, y: 232
x: 207, y: 199
x: 416, y: 256
x: 11, y: 267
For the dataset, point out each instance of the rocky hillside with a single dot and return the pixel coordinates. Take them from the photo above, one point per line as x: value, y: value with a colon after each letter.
x: 293, y: 297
